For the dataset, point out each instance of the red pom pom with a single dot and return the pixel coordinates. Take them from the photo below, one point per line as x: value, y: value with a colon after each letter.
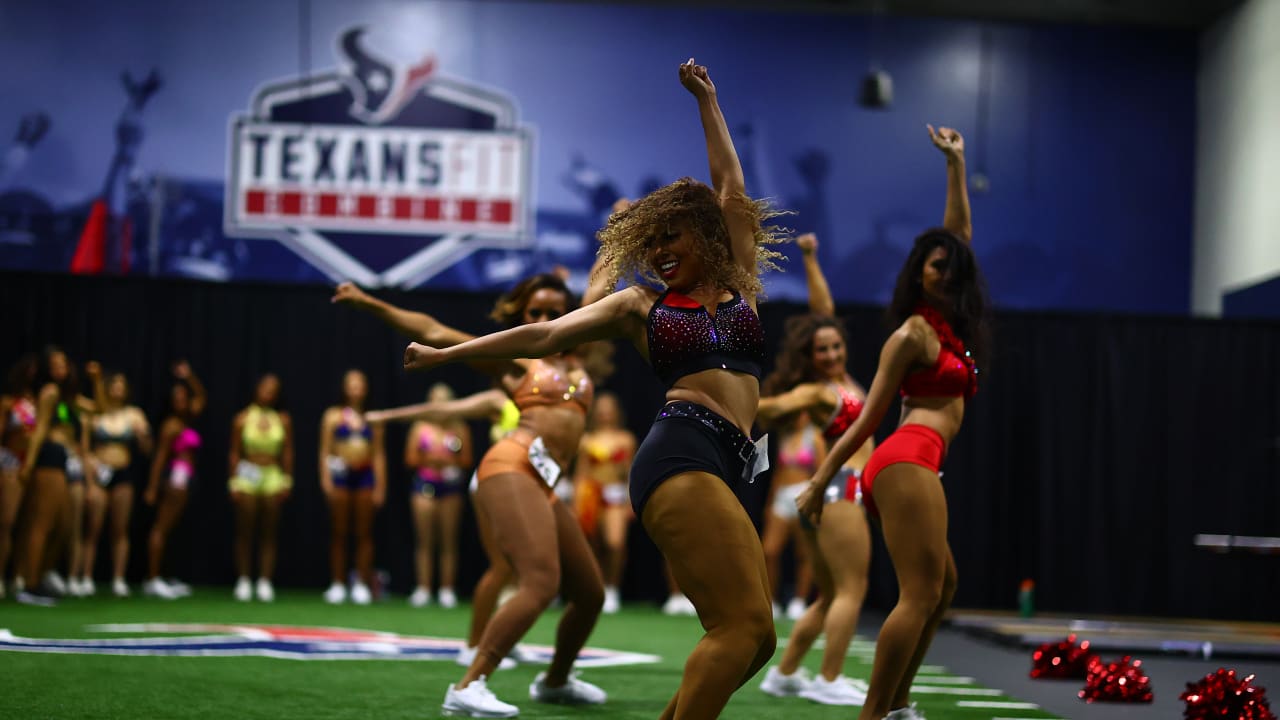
x: 1121, y: 681
x: 1223, y: 696
x: 1063, y: 659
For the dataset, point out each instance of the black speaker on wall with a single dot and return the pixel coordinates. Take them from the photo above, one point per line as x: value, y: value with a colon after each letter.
x: 877, y: 90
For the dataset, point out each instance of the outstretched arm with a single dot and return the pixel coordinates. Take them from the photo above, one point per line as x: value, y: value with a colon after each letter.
x: 956, y: 217
x: 417, y: 326
x: 901, y: 351
x: 820, y: 300
x: 482, y: 405
x: 726, y: 169
x: 805, y: 396
x: 614, y: 316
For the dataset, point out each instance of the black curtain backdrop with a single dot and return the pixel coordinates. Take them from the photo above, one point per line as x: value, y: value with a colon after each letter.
x: 1096, y: 448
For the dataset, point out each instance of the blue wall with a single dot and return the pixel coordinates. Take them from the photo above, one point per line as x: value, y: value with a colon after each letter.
x: 1087, y: 141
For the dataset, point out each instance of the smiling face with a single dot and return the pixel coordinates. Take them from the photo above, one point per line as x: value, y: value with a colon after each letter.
x: 933, y: 276
x: 673, y: 256
x: 829, y: 353
x: 545, y: 304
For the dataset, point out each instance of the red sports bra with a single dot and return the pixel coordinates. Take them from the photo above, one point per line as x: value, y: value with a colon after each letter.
x: 847, y: 411
x: 953, y: 375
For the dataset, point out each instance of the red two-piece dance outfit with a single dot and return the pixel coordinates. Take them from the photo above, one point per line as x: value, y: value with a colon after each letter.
x: 953, y: 375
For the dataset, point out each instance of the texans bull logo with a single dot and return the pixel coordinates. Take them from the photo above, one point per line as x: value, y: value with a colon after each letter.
x: 380, y: 174
x: 283, y: 642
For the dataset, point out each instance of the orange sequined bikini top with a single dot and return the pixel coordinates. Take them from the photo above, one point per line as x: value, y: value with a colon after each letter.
x: 546, y: 385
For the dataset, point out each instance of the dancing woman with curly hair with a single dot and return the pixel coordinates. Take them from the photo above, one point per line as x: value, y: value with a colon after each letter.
x: 705, y: 246
x: 940, y: 308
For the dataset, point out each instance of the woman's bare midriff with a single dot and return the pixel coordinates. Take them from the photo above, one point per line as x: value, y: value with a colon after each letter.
x: 559, y: 427
x: 943, y: 414
x: 732, y: 395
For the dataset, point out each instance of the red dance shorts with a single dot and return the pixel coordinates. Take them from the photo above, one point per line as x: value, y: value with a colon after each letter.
x: 915, y: 444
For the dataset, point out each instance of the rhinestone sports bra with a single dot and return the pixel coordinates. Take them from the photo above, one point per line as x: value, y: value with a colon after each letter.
x: 684, y: 338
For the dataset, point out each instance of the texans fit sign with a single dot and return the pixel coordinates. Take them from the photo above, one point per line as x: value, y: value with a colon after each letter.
x: 332, y: 163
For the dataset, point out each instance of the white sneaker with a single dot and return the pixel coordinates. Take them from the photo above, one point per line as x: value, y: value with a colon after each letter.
x: 157, y: 587
x: 910, y: 712
x: 795, y: 609
x: 265, y: 592
x: 467, y: 655
x: 574, y: 692
x: 360, y: 594
x: 119, y: 588
x: 336, y: 594
x: 476, y: 700
x: 73, y: 587
x: 522, y: 654
x: 777, y: 610
x: 777, y: 684
x: 611, y: 602
x: 420, y: 598
x: 178, y: 588
x: 35, y: 598
x: 678, y: 604
x: 447, y: 599
x: 244, y: 589
x: 835, y: 692
x: 55, y: 583
x: 88, y: 588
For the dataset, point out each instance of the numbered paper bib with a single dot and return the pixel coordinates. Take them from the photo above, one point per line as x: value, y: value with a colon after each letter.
x: 250, y: 473
x: 761, y: 460
x: 105, y: 474
x: 543, y: 463
x: 75, y: 467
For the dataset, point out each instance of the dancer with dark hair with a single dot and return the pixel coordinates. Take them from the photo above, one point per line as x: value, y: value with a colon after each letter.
x: 707, y: 246
x: 514, y: 497
x: 17, y: 425
x: 55, y: 461
x: 353, y: 476
x: 439, y: 454
x: 261, y: 461
x: 118, y: 434
x: 172, y: 475
x: 811, y: 385
x: 940, y: 309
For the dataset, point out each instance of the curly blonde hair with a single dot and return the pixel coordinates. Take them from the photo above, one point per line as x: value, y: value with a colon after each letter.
x: 625, y: 239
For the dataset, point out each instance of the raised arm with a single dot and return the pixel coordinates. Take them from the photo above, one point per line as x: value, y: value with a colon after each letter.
x: 956, y: 217
x: 726, y: 169
x: 615, y: 316
x: 199, y: 397
x: 900, y: 352
x: 417, y: 326
x: 820, y: 300
x: 486, y: 404
x: 598, y: 278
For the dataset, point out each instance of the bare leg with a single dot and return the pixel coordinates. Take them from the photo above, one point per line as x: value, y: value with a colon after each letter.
x: 75, y: 523
x: 10, y: 500
x: 716, y: 558
x: 496, y: 577
x: 168, y: 511
x: 48, y: 488
x: 269, y: 511
x: 583, y: 591
x: 364, y: 512
x: 246, y: 523
x: 121, y: 509
x: 449, y: 516
x: 95, y: 509
x: 913, y: 512
x: 809, y: 626
x: 844, y: 547
x: 339, y: 529
x: 524, y: 527
x: 423, y: 511
x: 616, y: 519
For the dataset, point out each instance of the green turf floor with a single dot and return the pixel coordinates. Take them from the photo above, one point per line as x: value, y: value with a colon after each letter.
x: 39, y: 685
